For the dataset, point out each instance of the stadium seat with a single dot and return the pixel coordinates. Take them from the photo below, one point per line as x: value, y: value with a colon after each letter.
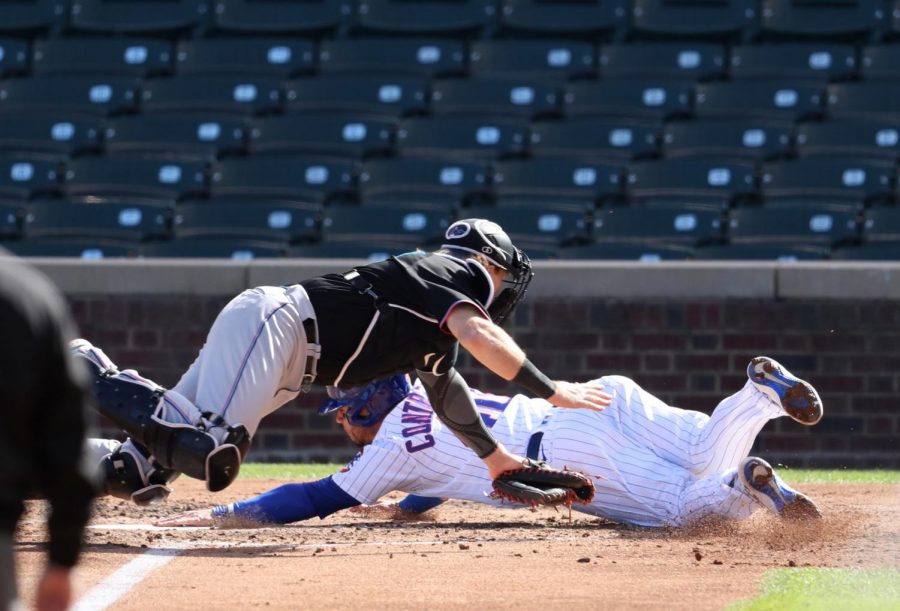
x: 880, y: 62
x: 411, y: 225
x: 841, y: 19
x: 258, y: 57
x: 436, y: 16
x: 875, y: 251
x: 145, y: 16
x: 13, y: 57
x: 647, y: 252
x: 734, y: 138
x: 619, y: 139
x: 715, y: 183
x: 50, y: 132
x: 775, y: 99
x: 23, y: 175
x: 856, y: 137
x: 11, y: 213
x: 275, y: 16
x: 368, y: 251
x: 97, y: 95
x: 874, y: 100
x: 415, y: 56
x: 762, y: 252
x: 827, y: 177
x: 208, y: 248
x: 572, y: 18
x: 481, y: 137
x: 798, y: 61
x: 305, y: 178
x: 583, y: 179
x: 792, y: 226
x: 638, y: 98
x: 387, y: 95
x: 32, y: 16
x: 193, y: 135
x: 86, y: 248
x: 236, y: 94
x: 98, y: 218
x: 324, y: 133
x: 690, y: 61
x: 662, y: 225
x: 446, y: 181
x: 503, y: 97
x: 138, y: 176
x: 882, y: 224
x: 846, y: 205
x: 549, y: 60
x: 533, y: 227
x: 698, y: 20
x: 271, y: 221
x: 137, y: 57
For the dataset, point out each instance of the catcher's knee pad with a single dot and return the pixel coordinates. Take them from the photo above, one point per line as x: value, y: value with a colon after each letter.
x: 224, y: 463
x: 125, y: 476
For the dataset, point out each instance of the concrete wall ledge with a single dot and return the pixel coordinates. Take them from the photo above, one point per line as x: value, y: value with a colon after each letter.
x: 610, y: 280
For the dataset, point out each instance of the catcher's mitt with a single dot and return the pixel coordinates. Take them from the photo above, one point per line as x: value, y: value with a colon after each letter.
x: 539, y: 484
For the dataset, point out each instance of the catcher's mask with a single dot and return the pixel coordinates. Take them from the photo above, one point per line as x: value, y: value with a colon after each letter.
x: 378, y: 398
x: 484, y: 237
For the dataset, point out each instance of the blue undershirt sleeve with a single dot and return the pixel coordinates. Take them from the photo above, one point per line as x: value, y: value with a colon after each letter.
x: 291, y: 503
x: 419, y: 504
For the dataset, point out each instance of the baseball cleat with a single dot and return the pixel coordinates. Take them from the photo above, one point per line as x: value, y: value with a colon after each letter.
x: 796, y: 397
x: 763, y: 484
x: 100, y: 363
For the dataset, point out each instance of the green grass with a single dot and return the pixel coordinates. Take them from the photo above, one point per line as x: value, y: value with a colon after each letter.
x: 826, y: 589
x: 287, y: 471
x: 839, y: 476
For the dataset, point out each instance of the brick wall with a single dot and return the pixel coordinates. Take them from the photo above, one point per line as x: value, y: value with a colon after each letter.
x: 690, y: 354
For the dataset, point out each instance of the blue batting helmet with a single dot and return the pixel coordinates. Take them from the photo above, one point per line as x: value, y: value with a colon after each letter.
x: 378, y: 398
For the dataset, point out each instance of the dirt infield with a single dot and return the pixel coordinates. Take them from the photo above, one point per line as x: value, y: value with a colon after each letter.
x: 466, y: 556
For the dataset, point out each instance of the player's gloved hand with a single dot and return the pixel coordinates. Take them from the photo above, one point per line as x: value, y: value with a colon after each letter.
x: 197, y: 517
x: 588, y: 395
x: 536, y: 483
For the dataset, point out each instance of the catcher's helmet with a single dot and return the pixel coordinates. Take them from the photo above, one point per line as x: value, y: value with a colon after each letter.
x: 484, y: 237
x: 379, y: 398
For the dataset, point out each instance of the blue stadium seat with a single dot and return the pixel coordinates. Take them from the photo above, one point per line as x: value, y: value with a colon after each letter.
x: 781, y: 99
x: 690, y: 19
x: 51, y: 132
x: 688, y: 60
x: 572, y: 18
x: 203, y: 135
x: 274, y: 16
x: 875, y: 251
x: 84, y: 248
x: 729, y: 138
x: 657, y: 226
x: 598, y: 137
x: 873, y: 100
x: 13, y: 56
x: 97, y: 218
x: 828, y: 178
x: 466, y: 136
x: 449, y: 182
x: 324, y: 133
x: 137, y: 57
x: 880, y: 62
x: 882, y: 224
x: 583, y: 179
x: 24, y: 175
x: 280, y: 57
x: 798, y: 61
x: 33, y: 16
x: 236, y: 94
x: 784, y: 253
x: 305, y: 178
x: 792, y: 227
x: 411, y: 226
x: 427, y: 57
x: 549, y: 60
x: 646, y: 252
x: 499, y: 96
x: 821, y: 19
x: 11, y: 213
x: 850, y: 137
x: 638, y: 98
x: 436, y: 16
x: 713, y: 183
x: 138, y: 176
x: 96, y: 95
x: 387, y: 95
x: 272, y: 221
x: 534, y: 227
x: 210, y: 248
x: 139, y: 16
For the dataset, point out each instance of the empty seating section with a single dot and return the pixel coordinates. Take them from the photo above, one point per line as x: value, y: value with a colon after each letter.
x: 645, y: 130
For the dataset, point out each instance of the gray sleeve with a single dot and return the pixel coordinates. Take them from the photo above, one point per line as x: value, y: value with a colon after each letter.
x: 453, y: 404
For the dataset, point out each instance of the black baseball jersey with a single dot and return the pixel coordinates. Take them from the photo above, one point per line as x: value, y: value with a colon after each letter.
x: 417, y: 291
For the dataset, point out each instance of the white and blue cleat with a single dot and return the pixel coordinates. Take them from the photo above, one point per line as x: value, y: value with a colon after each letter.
x: 764, y: 485
x: 797, y: 397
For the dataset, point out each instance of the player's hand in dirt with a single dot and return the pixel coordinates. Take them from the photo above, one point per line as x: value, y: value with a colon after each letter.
x: 587, y: 395
x: 197, y: 517
x: 387, y: 510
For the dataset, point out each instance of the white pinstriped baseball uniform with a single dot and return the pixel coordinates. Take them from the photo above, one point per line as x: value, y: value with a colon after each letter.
x: 652, y: 464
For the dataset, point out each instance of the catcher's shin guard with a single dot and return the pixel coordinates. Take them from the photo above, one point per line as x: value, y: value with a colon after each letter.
x: 124, y: 477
